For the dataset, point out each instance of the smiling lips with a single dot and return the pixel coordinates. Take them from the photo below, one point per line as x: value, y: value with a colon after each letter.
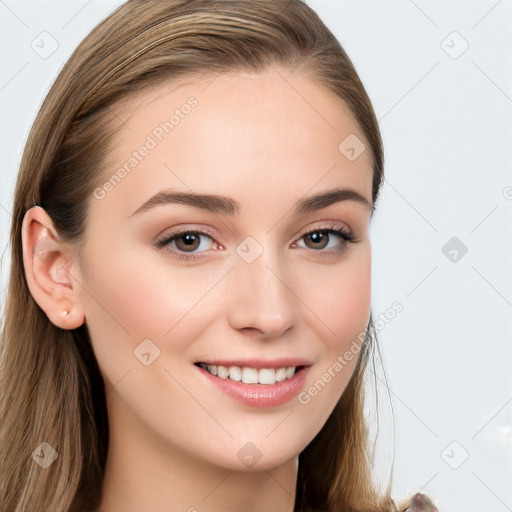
x: 257, y: 383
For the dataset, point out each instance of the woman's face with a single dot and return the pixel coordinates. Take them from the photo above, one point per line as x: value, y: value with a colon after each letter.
x: 232, y: 164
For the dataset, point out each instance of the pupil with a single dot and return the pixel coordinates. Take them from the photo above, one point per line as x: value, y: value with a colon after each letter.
x: 189, y: 239
x: 318, y: 238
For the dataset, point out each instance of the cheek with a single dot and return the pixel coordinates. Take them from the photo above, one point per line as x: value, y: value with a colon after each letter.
x: 352, y: 312
x: 132, y: 297
x: 343, y: 303
x: 340, y: 297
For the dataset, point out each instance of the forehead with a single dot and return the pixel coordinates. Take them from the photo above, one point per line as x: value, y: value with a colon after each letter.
x: 271, y: 135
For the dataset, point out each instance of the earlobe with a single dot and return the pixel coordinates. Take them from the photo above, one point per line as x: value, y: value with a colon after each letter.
x: 48, y: 264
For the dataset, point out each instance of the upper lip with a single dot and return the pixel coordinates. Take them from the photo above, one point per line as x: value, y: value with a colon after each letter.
x: 259, y: 363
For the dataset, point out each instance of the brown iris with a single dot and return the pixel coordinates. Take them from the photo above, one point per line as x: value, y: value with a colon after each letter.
x: 188, y: 242
x: 317, y: 237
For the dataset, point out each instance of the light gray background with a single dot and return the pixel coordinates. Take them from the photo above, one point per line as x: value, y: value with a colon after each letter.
x: 446, y: 120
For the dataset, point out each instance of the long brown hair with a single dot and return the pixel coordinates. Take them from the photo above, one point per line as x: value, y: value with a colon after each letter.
x: 52, y: 389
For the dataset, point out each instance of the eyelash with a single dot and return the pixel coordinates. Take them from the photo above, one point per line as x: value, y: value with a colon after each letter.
x: 346, y: 237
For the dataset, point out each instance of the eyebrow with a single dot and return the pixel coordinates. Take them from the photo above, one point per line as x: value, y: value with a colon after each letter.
x: 228, y: 206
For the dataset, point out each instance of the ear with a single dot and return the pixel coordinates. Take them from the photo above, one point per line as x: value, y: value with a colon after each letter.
x: 48, y: 263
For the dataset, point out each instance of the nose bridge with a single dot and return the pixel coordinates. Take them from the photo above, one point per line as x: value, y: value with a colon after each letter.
x: 262, y: 298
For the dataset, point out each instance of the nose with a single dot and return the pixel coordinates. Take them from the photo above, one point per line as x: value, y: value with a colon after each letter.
x: 262, y: 301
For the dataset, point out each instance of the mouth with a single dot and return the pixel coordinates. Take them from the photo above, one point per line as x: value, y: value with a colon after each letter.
x: 257, y: 382
x: 250, y: 374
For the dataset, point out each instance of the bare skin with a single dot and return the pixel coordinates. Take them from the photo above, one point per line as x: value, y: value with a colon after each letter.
x: 177, y: 442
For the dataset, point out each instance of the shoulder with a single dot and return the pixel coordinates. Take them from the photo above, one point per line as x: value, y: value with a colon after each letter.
x: 421, y: 503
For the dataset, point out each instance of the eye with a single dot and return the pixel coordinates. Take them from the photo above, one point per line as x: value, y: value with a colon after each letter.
x: 186, y: 242
x: 333, y: 239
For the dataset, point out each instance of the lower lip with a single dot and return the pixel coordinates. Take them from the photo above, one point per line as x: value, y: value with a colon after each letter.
x: 260, y: 395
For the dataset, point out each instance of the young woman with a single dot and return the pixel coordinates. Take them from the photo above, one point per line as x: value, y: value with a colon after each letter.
x: 188, y: 317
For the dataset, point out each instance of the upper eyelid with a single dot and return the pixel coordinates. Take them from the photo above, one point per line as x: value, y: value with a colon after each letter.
x: 329, y: 224
x: 203, y: 232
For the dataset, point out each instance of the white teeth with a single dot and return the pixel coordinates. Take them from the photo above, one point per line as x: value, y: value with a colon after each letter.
x: 249, y: 375
x: 290, y: 372
x: 267, y: 376
x: 222, y: 372
x: 235, y: 373
x: 280, y: 374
